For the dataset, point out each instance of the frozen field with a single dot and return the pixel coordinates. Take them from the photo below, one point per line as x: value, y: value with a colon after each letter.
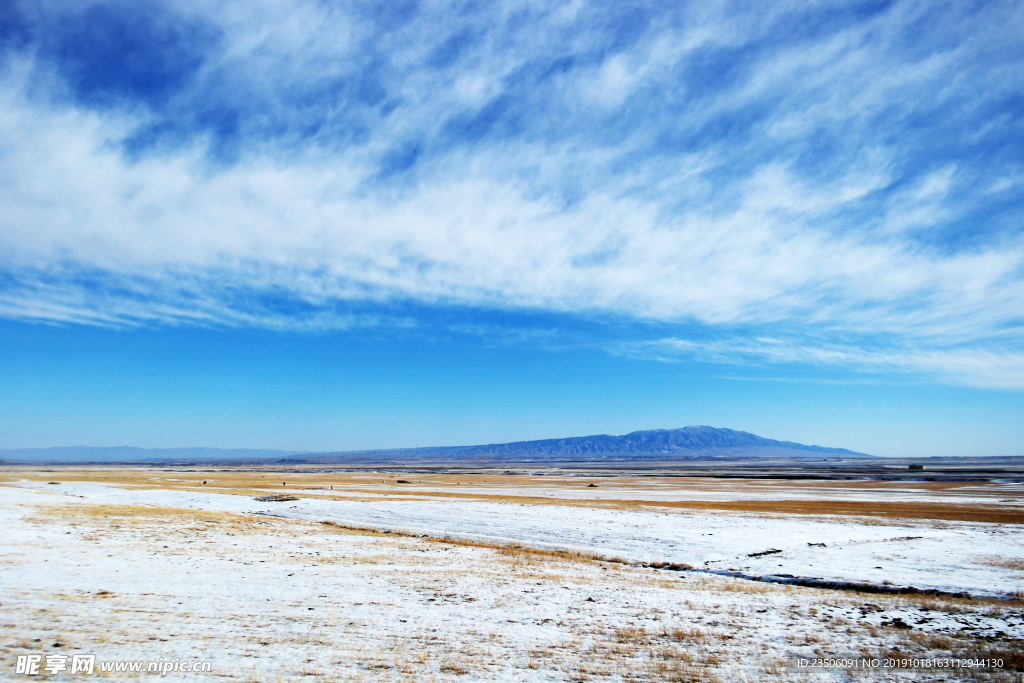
x: 143, y: 570
x: 982, y: 559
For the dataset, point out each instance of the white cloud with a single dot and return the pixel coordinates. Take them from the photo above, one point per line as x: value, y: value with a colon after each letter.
x: 569, y: 214
x: 993, y: 369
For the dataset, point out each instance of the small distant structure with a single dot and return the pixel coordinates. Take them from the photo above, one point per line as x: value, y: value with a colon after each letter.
x: 916, y: 468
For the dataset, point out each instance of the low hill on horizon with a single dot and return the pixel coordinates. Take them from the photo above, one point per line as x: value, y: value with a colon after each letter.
x: 129, y: 454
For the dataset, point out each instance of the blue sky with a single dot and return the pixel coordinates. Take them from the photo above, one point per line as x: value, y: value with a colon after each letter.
x: 333, y: 225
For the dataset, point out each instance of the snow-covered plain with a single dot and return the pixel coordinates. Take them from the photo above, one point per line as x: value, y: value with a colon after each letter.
x: 267, y: 593
x: 970, y: 557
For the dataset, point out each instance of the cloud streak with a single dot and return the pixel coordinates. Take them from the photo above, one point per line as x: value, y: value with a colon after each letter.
x: 842, y: 172
x: 971, y: 366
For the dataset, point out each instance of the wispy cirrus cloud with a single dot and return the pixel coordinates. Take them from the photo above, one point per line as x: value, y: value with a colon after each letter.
x: 879, y: 358
x: 847, y: 171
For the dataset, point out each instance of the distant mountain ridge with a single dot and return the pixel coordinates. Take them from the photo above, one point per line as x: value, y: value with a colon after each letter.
x: 686, y: 443
x: 694, y: 439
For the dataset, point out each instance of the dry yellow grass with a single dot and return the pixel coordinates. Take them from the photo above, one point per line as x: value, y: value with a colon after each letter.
x: 910, y: 510
x: 828, y: 498
x: 1005, y: 563
x: 140, y: 514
